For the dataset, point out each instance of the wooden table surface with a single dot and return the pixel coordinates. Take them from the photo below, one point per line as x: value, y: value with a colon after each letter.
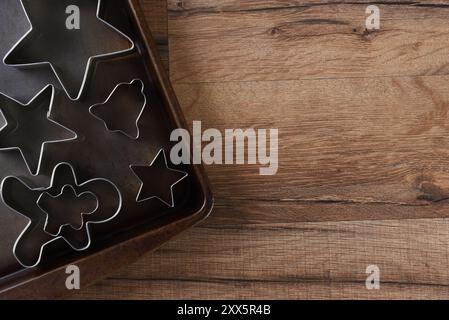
x: 364, y: 151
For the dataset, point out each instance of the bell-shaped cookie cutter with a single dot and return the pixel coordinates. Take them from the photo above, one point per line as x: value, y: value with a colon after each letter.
x: 55, y: 70
x: 111, y: 95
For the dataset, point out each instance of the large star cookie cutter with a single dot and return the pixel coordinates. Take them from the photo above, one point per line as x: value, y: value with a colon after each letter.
x: 26, y: 125
x: 30, y: 244
x: 50, y: 42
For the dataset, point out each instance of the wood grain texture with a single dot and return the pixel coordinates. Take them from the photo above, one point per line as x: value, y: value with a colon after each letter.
x: 156, y: 14
x: 317, y: 40
x: 363, y: 177
x: 291, y: 260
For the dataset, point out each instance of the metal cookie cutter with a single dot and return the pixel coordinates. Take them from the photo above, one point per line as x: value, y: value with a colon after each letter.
x: 21, y: 198
x: 69, y: 198
x: 117, y: 106
x: 29, y: 127
x: 68, y: 51
x: 157, y: 169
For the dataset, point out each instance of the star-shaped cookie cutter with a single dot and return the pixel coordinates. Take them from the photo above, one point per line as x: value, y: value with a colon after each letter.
x: 46, y: 189
x: 89, y: 62
x: 142, y: 110
x: 139, y: 200
x: 43, y: 91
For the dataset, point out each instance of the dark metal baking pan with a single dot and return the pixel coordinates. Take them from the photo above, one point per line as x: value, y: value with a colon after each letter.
x: 140, y: 226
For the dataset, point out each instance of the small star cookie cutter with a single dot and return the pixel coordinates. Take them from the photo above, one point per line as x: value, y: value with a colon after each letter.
x: 4, y: 108
x: 142, y: 185
x: 115, y: 115
x: 35, y: 193
x: 57, y: 72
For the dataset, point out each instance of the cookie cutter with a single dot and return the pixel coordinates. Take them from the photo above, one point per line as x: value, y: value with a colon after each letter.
x: 110, y: 98
x: 134, y: 168
x: 57, y: 73
x: 77, y: 195
x: 5, y: 108
x: 59, y: 237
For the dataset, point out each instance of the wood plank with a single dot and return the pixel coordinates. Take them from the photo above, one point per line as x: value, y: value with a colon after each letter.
x: 193, y: 6
x: 295, y: 260
x: 156, y: 13
x: 241, y: 290
x: 326, y: 40
x: 377, y: 146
